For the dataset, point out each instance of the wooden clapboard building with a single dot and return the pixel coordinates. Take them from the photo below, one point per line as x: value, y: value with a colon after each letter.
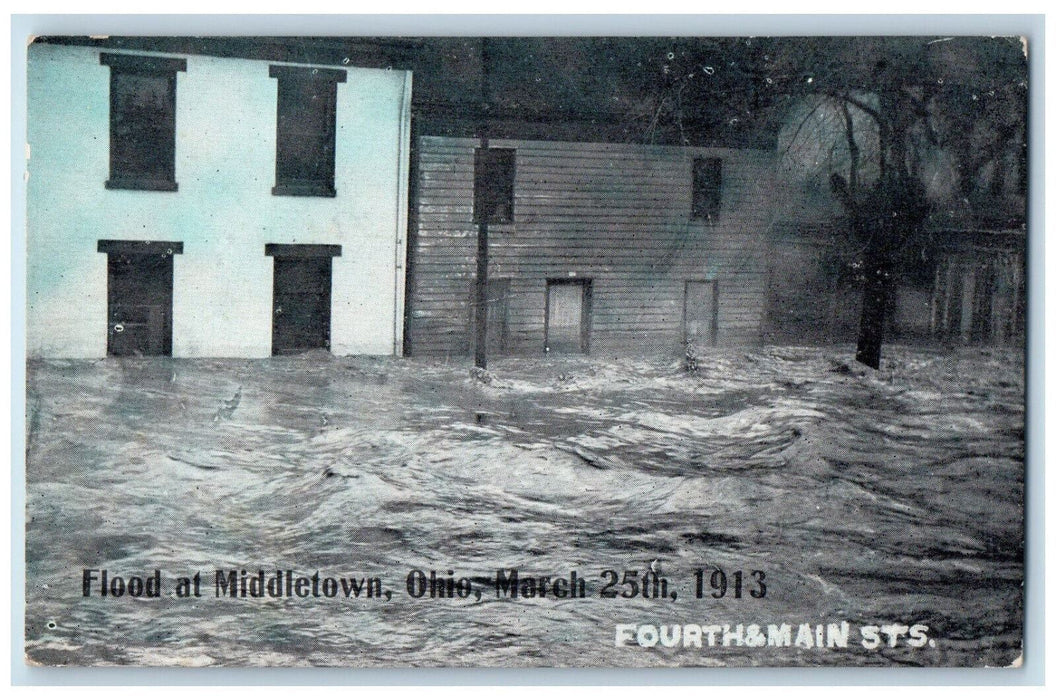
x: 979, y: 295
x: 593, y: 247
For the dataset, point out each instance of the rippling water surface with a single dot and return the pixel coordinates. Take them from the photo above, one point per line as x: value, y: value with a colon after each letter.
x: 870, y: 497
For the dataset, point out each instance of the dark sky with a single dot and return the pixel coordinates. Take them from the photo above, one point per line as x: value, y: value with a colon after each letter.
x: 700, y: 90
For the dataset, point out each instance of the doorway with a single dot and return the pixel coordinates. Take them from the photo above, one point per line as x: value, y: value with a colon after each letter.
x: 301, y: 297
x: 568, y: 309
x: 701, y: 313
x: 498, y: 311
x: 139, y: 297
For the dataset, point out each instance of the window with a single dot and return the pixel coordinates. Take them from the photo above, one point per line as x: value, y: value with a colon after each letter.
x: 142, y: 121
x: 305, y: 127
x: 493, y: 185
x: 707, y: 189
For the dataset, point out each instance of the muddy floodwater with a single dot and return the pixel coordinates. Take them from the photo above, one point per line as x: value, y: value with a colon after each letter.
x: 871, y: 498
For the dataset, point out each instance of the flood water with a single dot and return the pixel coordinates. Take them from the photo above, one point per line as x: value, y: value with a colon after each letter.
x: 891, y: 497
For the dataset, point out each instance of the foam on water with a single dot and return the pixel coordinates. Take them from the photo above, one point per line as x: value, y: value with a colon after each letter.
x: 866, y: 496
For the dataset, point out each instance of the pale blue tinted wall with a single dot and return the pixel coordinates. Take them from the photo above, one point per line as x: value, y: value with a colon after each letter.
x: 224, y: 212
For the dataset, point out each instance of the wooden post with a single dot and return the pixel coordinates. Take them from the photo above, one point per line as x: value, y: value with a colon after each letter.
x: 967, y: 302
x: 937, y: 293
x: 480, y: 351
x: 1016, y: 324
x: 993, y: 305
x: 947, y: 296
x: 480, y: 355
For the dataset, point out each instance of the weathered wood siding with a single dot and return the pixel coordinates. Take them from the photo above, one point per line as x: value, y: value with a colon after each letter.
x: 616, y: 214
x: 979, y: 295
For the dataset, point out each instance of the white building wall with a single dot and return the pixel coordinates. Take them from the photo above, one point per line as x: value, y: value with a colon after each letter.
x: 224, y: 212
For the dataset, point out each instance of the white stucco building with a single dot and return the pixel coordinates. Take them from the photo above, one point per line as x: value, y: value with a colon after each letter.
x: 213, y: 207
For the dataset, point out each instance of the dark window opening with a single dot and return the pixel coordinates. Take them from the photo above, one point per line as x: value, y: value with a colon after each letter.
x: 142, y: 121
x: 707, y: 189
x: 493, y: 185
x: 306, y: 126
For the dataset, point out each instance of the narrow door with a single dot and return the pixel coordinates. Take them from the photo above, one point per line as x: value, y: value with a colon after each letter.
x: 301, y: 305
x: 568, y: 315
x: 139, y: 304
x: 701, y: 313
x: 498, y: 298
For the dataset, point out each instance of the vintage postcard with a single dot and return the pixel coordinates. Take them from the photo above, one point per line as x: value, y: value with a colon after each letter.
x: 509, y: 352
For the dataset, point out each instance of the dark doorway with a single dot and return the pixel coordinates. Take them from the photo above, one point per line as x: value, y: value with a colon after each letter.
x: 701, y: 313
x: 139, y: 296
x: 498, y: 305
x: 301, y: 298
x: 568, y: 305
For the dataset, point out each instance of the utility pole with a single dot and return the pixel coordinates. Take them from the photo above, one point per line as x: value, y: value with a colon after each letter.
x: 481, y: 290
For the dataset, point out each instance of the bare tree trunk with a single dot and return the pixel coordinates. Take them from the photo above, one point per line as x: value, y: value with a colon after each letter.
x: 889, y: 201
x: 874, y: 306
